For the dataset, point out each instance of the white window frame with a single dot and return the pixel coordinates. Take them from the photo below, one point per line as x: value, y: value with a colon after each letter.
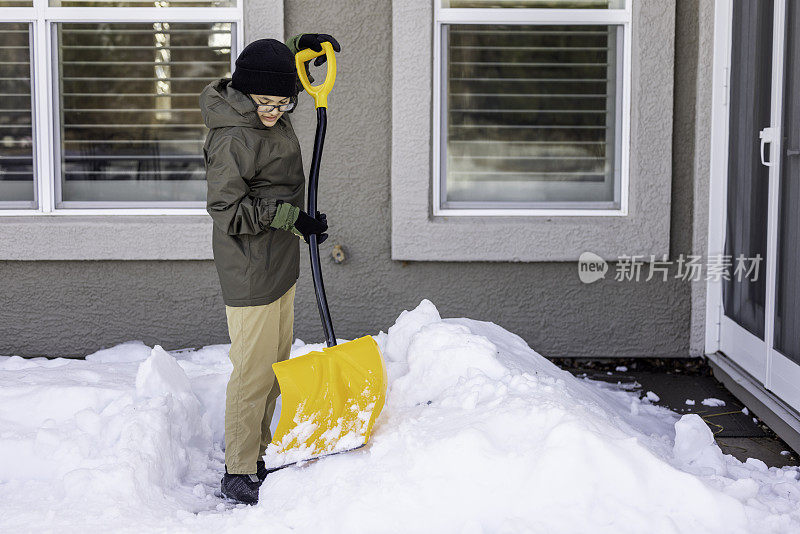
x: 42, y: 17
x: 621, y: 17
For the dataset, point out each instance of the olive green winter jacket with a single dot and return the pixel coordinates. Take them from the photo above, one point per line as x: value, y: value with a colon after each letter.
x: 249, y: 167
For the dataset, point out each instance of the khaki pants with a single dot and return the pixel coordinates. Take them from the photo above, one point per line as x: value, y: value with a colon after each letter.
x: 260, y: 336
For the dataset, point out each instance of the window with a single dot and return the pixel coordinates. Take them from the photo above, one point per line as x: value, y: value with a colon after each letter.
x: 424, y: 230
x: 530, y: 107
x: 130, y: 129
x: 115, y: 124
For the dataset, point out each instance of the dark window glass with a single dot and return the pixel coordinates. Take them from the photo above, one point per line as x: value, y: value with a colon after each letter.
x: 17, y: 185
x: 129, y: 127
x: 748, y: 180
x: 787, y: 310
x: 531, y: 116
x: 142, y: 3
x: 549, y: 4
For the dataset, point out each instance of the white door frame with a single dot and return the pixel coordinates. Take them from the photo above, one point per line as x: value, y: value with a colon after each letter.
x: 718, y: 184
x: 758, y: 358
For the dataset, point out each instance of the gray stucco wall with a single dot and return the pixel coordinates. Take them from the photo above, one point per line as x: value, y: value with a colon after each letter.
x: 694, y: 59
x: 702, y: 167
x: 75, y: 307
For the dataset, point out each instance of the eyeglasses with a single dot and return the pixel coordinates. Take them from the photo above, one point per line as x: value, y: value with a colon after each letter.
x: 269, y: 108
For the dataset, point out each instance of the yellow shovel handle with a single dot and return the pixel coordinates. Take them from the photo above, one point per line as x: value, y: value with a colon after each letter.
x: 319, y: 92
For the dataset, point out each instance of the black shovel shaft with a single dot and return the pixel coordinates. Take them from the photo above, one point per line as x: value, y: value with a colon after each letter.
x: 313, y: 246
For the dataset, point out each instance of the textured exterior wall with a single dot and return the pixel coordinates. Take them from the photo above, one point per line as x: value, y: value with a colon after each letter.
x: 694, y: 60
x: 75, y: 307
x: 702, y: 161
x: 263, y: 19
x: 72, y: 308
x: 64, y: 308
x: 106, y: 237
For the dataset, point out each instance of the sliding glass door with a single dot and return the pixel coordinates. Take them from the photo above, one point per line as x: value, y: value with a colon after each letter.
x: 760, y: 313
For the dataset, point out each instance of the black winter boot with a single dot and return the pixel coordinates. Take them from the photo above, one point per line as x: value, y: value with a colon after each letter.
x: 261, y: 470
x: 242, y: 488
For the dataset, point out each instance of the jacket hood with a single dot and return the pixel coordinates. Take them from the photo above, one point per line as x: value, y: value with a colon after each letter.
x: 222, y: 105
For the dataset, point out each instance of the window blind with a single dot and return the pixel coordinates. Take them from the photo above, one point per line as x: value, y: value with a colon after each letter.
x: 129, y: 122
x: 16, y: 118
x: 529, y: 115
x: 142, y: 3
x: 547, y: 4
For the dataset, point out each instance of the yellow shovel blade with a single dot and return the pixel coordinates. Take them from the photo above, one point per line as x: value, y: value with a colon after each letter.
x: 329, y: 400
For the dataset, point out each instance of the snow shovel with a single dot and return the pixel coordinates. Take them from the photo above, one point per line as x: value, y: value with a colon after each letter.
x: 330, y: 398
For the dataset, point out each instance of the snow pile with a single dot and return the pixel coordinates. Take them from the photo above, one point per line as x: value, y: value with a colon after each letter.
x: 93, y: 442
x: 479, y: 434
x: 162, y: 383
x: 438, y: 356
x: 695, y: 448
x: 766, y: 490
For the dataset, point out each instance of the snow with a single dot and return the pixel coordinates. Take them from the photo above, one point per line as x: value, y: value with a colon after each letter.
x: 480, y: 433
x: 713, y: 402
x: 652, y: 397
x: 695, y: 448
x: 344, y: 436
x: 690, y: 402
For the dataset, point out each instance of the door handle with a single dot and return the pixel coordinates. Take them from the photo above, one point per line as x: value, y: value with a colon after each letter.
x: 766, y: 137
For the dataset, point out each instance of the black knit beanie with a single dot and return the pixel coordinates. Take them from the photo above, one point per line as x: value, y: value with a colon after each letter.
x: 265, y: 67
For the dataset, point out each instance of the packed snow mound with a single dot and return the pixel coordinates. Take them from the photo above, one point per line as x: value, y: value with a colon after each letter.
x: 130, y: 351
x: 479, y: 434
x: 695, y: 448
x: 90, y: 443
x: 437, y: 360
x: 409, y: 323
